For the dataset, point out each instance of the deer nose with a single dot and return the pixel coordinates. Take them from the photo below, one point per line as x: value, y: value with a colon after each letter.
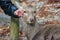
x: 31, y: 20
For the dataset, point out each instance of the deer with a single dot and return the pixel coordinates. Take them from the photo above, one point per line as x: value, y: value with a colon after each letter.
x: 31, y: 17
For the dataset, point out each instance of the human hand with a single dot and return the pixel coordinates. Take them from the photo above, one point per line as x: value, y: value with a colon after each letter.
x: 18, y: 13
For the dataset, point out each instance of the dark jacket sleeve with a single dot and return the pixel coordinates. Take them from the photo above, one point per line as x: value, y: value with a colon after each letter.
x: 8, y: 7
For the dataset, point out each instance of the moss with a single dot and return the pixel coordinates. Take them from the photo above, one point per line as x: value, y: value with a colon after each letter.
x: 14, y: 29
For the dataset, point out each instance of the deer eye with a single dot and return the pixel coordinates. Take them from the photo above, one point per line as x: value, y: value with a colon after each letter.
x: 24, y: 11
x: 34, y: 11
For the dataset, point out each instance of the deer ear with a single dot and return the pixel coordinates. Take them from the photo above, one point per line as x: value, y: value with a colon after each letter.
x: 13, y: 1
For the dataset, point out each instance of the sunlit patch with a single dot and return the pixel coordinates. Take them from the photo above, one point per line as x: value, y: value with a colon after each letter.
x: 0, y: 29
x: 43, y: 17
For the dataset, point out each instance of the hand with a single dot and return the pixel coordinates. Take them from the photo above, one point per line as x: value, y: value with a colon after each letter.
x: 19, y: 13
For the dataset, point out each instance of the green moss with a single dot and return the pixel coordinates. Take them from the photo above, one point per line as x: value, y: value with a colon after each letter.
x: 14, y: 29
